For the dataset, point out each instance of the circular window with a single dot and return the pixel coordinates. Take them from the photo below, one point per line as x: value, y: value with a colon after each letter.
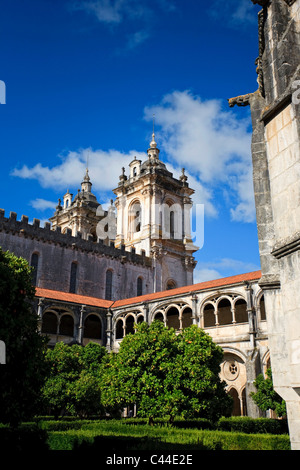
x: 231, y: 370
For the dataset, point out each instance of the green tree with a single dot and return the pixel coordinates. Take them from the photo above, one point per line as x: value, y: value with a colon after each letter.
x: 73, y: 384
x: 166, y: 374
x: 24, y: 373
x: 266, y: 398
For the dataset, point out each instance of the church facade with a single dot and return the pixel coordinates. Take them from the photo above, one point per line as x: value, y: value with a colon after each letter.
x: 98, y: 272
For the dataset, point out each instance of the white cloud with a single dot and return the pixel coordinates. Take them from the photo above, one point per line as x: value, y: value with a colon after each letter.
x: 212, y: 144
x: 42, y: 204
x: 104, y: 169
x: 218, y: 269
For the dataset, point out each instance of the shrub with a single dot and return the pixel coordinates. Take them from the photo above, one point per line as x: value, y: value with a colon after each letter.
x: 255, y: 426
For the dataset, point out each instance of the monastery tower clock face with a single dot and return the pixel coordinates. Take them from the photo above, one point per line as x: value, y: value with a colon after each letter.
x: 153, y: 216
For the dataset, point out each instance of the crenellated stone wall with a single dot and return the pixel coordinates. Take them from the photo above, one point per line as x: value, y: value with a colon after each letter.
x: 57, y: 251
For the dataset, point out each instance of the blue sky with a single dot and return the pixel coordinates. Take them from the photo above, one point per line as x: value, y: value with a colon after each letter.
x: 85, y: 77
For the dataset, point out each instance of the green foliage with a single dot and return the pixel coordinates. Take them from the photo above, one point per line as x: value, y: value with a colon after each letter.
x: 24, y: 373
x: 266, y: 398
x: 73, y: 384
x: 144, y: 437
x: 249, y: 425
x: 166, y: 374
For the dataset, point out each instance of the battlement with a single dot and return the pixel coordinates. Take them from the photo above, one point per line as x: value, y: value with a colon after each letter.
x: 22, y: 228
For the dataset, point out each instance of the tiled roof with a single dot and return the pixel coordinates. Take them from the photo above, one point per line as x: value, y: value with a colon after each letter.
x: 95, y: 302
x: 72, y: 298
x: 225, y: 281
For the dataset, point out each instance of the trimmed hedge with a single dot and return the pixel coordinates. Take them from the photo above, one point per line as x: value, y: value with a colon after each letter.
x: 144, y: 437
x: 253, y: 426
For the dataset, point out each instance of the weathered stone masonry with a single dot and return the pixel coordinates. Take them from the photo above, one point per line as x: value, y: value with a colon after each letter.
x: 57, y: 251
x: 275, y: 113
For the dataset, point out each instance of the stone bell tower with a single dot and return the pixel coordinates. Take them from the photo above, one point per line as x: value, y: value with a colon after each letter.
x: 81, y: 214
x: 275, y: 110
x: 154, y: 217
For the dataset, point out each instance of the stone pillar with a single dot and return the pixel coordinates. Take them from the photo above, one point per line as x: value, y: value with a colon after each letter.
x: 80, y: 326
x: 40, y: 314
x: 109, y: 332
x: 253, y: 369
x: 194, y: 310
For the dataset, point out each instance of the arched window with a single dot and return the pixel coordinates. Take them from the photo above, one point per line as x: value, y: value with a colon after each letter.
x: 187, y: 317
x: 108, y: 284
x: 139, y: 286
x: 92, y: 327
x: 140, y: 319
x: 73, y: 277
x: 135, y: 217
x: 49, y: 323
x: 262, y: 308
x: 209, y: 315
x: 236, y: 409
x: 66, y: 326
x: 224, y: 312
x: 34, y: 264
x: 171, y: 284
x: 159, y: 317
x: 241, y: 314
x: 172, y: 225
x: 119, y: 329
x: 173, y: 318
x: 129, y: 324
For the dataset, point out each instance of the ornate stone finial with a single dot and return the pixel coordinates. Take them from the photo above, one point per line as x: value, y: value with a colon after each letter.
x: 59, y: 207
x: 122, y: 177
x: 183, y: 176
x: 153, y: 144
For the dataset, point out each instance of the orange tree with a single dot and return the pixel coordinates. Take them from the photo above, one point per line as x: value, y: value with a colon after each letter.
x: 166, y: 374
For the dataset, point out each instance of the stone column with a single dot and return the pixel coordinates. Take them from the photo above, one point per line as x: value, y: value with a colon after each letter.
x: 109, y: 332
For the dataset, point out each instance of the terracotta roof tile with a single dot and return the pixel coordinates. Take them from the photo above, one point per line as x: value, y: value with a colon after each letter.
x: 73, y: 298
x: 93, y: 301
x: 255, y: 275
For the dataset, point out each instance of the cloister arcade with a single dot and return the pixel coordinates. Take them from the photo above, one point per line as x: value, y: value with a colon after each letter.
x: 61, y: 324
x: 234, y: 317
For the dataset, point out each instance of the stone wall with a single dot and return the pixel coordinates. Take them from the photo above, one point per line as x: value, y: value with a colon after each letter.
x: 57, y: 251
x: 276, y: 176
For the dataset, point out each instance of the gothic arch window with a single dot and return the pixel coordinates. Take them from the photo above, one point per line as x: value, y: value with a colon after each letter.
x: 186, y: 318
x: 236, y: 408
x: 139, y: 286
x: 159, y: 316
x: 140, y: 319
x: 224, y: 312
x: 34, y: 262
x: 209, y: 315
x: 73, y: 277
x: 92, y: 327
x: 49, y: 323
x: 108, y: 284
x: 66, y: 325
x: 119, y: 329
x: 129, y: 324
x: 262, y: 308
x: 173, y: 318
x: 241, y: 314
